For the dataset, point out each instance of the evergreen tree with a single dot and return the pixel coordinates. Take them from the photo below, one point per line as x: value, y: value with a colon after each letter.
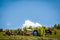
x: 30, y: 27
x: 57, y: 26
x: 1, y: 30
x: 25, y: 30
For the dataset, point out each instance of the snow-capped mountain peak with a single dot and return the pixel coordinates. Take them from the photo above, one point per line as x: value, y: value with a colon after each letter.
x: 29, y: 23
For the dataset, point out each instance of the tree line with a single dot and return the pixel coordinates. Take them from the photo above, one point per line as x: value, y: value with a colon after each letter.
x: 42, y: 31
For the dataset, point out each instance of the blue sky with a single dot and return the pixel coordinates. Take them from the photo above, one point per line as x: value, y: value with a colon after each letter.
x: 13, y: 13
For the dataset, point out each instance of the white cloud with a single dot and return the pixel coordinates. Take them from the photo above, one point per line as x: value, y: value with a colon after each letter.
x: 30, y: 23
